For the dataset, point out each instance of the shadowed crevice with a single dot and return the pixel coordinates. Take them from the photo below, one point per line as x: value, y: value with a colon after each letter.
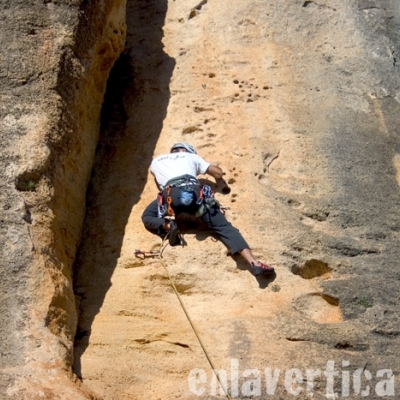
x: 132, y: 117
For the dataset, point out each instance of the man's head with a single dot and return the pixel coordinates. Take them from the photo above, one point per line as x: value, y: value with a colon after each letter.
x: 183, y: 147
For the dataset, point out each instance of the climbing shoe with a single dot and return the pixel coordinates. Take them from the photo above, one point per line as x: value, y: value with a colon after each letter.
x: 174, y: 236
x: 261, y: 269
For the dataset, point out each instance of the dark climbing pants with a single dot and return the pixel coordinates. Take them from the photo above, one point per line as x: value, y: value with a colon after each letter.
x: 213, y: 218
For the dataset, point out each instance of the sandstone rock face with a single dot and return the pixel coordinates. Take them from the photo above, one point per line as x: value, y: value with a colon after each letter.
x: 298, y: 101
x: 55, y: 62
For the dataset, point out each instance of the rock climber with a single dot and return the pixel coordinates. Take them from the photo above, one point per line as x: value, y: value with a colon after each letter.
x: 176, y: 174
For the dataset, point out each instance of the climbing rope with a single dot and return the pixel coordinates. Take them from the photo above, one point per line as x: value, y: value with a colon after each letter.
x: 159, y: 253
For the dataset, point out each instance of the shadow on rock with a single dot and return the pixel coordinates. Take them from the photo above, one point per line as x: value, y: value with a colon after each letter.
x: 134, y: 108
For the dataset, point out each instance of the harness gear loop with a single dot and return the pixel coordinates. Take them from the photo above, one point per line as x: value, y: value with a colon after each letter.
x: 201, y: 195
x: 169, y: 201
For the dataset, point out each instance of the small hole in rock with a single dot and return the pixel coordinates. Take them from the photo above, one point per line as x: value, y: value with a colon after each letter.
x: 311, y: 269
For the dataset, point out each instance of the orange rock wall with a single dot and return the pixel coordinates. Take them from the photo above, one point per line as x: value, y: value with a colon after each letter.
x: 57, y: 57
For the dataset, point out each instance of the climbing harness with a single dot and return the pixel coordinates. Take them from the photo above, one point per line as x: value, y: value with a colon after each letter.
x: 158, y: 253
x: 187, y: 185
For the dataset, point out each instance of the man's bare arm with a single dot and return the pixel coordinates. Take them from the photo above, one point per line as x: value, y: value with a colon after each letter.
x: 215, y: 171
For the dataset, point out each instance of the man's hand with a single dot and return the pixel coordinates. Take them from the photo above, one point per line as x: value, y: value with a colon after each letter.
x: 215, y: 171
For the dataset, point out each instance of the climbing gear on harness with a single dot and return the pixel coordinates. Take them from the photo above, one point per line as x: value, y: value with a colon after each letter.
x: 261, y: 269
x: 162, y: 210
x: 188, y: 147
x: 190, y: 190
x: 169, y: 201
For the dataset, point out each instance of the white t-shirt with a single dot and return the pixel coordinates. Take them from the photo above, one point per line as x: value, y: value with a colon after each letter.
x: 172, y: 165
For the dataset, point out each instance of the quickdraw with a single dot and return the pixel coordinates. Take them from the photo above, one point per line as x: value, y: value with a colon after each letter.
x: 143, y: 254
